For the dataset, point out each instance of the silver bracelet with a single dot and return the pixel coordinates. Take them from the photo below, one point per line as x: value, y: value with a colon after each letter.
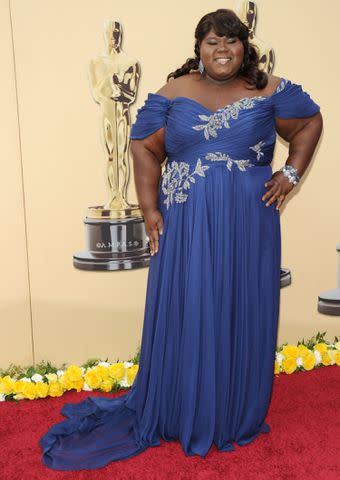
x: 291, y: 173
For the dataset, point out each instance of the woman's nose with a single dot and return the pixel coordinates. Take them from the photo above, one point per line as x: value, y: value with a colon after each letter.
x: 223, y: 51
x: 224, y: 47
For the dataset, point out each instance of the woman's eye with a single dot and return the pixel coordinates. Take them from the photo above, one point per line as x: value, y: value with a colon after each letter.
x: 230, y: 40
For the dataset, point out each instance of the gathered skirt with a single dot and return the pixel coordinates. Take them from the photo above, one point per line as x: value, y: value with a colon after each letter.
x: 209, y: 334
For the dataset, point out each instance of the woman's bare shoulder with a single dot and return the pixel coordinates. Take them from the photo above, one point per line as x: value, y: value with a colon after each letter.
x: 175, y: 86
x: 273, y: 82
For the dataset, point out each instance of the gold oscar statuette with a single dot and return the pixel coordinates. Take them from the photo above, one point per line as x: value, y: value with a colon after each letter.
x: 115, y: 232
x: 247, y: 11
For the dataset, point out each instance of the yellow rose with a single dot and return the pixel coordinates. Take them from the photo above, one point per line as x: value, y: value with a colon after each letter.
x: 106, y: 385
x: 74, y: 373
x: 337, y: 357
x: 42, y: 389
x: 308, y: 362
x: 276, y: 367
x: 51, y: 377
x: 68, y: 383
x: 28, y: 390
x: 7, y: 385
x: 325, y: 359
x: 79, y: 385
x: 17, y: 387
x: 331, y: 354
x: 289, y: 365
x: 303, y: 350
x: 55, y: 389
x: 321, y: 347
x: 131, y: 373
x: 93, y: 379
x: 117, y: 371
x: 290, y: 351
x: 102, y: 371
x: 65, y: 381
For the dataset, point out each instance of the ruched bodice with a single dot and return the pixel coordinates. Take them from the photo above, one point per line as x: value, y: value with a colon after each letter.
x: 243, y: 130
x: 240, y: 135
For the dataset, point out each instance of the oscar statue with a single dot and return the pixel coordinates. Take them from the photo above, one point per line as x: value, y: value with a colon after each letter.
x: 115, y: 232
x: 246, y: 11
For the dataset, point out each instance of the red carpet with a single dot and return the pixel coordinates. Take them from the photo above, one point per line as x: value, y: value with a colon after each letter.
x: 304, y: 441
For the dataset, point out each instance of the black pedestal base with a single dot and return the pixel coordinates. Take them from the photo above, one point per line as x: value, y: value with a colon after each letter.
x: 114, y: 244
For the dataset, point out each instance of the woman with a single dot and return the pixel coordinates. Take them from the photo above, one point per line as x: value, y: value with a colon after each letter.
x: 210, y: 325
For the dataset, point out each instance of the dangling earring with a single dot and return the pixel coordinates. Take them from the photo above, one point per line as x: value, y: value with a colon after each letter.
x: 200, y: 66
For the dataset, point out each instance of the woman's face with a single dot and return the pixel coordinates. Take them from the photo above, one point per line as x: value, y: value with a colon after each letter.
x: 221, y: 56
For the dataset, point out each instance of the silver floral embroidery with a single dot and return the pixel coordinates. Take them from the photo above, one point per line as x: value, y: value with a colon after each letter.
x: 220, y: 119
x: 257, y: 149
x: 217, y: 156
x: 176, y: 179
x: 282, y: 85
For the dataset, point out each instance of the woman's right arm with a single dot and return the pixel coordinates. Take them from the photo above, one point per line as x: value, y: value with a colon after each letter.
x: 148, y: 155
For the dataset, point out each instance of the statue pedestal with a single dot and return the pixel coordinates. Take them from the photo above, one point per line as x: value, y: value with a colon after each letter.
x: 285, y: 277
x: 329, y: 301
x: 115, y: 240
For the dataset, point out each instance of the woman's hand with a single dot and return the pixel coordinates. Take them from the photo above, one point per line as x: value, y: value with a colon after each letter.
x: 279, y: 187
x: 154, y: 226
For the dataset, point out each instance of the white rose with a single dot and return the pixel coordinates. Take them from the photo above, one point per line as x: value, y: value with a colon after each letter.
x: 279, y: 358
x: 104, y: 364
x: 37, y: 377
x: 60, y: 373
x: 317, y: 356
x: 299, y: 362
x: 124, y: 383
x: 128, y: 364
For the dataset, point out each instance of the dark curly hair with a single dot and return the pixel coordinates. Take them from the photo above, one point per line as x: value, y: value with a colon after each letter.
x: 225, y: 22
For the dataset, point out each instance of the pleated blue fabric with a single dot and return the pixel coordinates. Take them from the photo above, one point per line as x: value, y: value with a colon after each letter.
x: 212, y: 303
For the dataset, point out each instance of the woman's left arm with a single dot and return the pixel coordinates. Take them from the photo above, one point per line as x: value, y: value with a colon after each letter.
x: 303, y: 135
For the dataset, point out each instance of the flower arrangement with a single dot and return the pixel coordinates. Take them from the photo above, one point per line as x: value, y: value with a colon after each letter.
x: 307, y: 355
x: 45, y: 380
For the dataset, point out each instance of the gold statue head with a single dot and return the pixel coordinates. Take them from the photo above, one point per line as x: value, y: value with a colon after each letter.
x: 112, y: 35
x: 246, y: 11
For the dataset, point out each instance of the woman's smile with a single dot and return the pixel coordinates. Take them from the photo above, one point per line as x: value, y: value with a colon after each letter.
x: 223, y: 60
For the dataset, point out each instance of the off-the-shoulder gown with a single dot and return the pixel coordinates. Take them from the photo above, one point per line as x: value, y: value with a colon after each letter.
x: 211, y: 314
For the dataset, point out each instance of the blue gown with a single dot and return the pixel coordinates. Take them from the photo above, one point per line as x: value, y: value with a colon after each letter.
x: 211, y: 314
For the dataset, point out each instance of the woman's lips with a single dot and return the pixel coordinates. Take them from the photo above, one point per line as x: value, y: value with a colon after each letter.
x: 222, y: 61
